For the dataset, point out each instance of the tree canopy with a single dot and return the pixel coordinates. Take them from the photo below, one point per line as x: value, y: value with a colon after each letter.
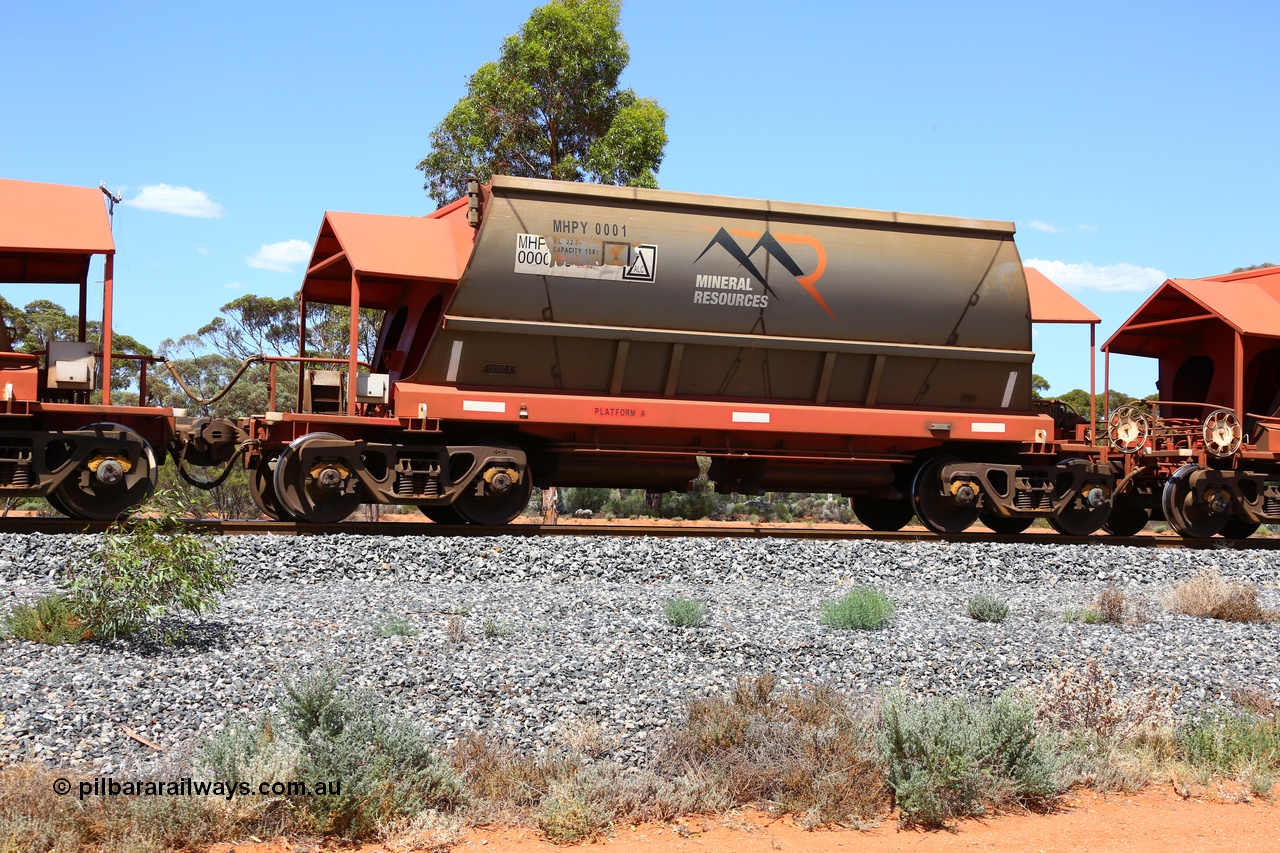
x: 550, y: 107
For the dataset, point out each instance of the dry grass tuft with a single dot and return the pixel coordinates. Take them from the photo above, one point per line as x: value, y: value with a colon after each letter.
x: 1088, y: 701
x: 33, y: 817
x: 1114, y: 606
x: 502, y: 781
x: 1111, y: 743
x: 1258, y: 702
x: 1210, y: 596
x: 808, y: 753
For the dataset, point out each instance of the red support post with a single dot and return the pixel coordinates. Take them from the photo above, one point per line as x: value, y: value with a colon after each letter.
x: 82, y: 325
x: 107, y: 286
x: 1238, y: 378
x: 353, y: 358
x: 271, y: 386
x: 302, y: 345
x: 1093, y: 382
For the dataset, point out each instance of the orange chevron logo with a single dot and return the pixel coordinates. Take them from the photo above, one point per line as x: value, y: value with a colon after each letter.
x: 772, y: 246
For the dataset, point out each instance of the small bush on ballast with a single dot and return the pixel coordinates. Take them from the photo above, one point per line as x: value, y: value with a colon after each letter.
x: 395, y: 626
x: 385, y: 767
x: 50, y: 620
x: 1088, y: 615
x: 145, y: 571
x: 863, y: 608
x: 948, y: 758
x: 684, y: 612
x: 987, y: 608
x: 1210, y: 596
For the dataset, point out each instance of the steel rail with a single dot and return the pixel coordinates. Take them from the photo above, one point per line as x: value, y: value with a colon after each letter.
x: 818, y: 532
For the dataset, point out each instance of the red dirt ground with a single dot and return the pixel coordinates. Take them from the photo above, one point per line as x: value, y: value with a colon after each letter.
x: 1154, y: 821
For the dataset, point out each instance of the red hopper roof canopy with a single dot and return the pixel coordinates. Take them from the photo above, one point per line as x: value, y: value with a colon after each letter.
x: 48, y: 232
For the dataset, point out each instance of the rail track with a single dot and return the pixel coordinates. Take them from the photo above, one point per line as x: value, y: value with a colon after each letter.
x: 819, y: 532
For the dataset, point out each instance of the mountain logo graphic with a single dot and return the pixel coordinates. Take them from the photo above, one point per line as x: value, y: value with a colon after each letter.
x: 772, y: 245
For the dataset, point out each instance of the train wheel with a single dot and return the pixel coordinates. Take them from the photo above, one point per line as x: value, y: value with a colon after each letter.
x: 495, y: 506
x: 263, y: 491
x: 937, y: 511
x: 57, y: 504
x: 1238, y: 528
x: 1079, y: 517
x: 113, y: 485
x: 1005, y: 526
x: 443, y: 514
x: 1126, y: 520
x: 880, y: 514
x: 316, y: 497
x: 1185, y: 515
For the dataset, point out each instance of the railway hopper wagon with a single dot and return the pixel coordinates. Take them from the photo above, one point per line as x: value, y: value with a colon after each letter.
x: 60, y: 436
x: 547, y: 333
x: 1205, y: 456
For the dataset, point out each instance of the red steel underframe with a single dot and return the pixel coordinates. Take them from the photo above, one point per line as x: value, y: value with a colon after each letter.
x: 446, y: 403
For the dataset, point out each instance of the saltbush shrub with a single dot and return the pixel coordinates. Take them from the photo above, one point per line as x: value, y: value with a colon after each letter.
x: 386, y: 767
x: 684, y: 612
x: 949, y: 758
x: 987, y: 608
x: 863, y: 608
x: 1232, y: 743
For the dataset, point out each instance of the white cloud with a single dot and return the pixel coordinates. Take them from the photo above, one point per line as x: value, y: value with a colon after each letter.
x: 1046, y: 227
x: 202, y: 250
x: 235, y: 285
x: 1050, y: 228
x: 282, y: 256
x: 1110, y: 277
x: 180, y: 201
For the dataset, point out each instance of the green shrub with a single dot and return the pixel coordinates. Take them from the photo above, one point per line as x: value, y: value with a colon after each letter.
x: 492, y: 629
x: 50, y: 620
x: 684, y: 612
x: 395, y: 626
x: 863, y: 608
x: 1087, y: 615
x: 947, y: 758
x: 573, y: 812
x: 385, y: 765
x: 987, y: 608
x: 1232, y: 743
x: 574, y: 499
x: 146, y: 571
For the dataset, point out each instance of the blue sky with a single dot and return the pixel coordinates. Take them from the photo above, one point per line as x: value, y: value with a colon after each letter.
x: 1130, y: 142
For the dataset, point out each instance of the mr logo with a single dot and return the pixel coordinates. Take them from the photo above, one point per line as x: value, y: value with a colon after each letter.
x: 771, y: 244
x: 644, y: 264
